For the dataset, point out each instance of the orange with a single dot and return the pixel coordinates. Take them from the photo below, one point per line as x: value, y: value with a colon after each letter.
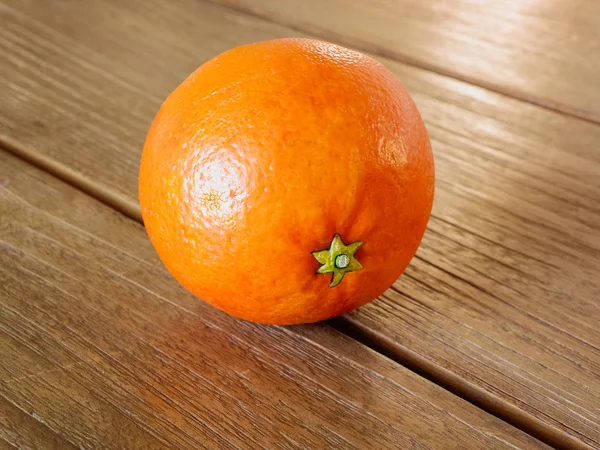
x: 287, y: 181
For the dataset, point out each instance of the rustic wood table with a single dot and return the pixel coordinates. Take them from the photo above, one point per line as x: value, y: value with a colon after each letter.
x: 490, y: 340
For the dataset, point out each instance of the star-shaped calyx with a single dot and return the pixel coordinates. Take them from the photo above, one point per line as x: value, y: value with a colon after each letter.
x: 338, y: 259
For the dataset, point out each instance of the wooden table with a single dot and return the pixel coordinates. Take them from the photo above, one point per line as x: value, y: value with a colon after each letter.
x: 491, y: 339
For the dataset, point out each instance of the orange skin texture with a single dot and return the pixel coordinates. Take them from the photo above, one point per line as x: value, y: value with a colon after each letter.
x: 266, y: 152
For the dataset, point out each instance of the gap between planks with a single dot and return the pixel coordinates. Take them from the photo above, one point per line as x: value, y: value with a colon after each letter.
x: 375, y: 341
x: 86, y: 185
x: 376, y: 50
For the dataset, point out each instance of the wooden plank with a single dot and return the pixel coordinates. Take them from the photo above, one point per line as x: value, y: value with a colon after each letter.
x: 547, y: 53
x: 101, y: 348
x: 503, y: 293
x: 20, y: 430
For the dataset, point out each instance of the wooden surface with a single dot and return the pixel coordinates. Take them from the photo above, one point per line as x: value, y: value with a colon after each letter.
x: 101, y: 348
x: 501, y: 303
x: 546, y: 52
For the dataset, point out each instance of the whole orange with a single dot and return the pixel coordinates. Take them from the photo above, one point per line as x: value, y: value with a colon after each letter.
x: 287, y: 181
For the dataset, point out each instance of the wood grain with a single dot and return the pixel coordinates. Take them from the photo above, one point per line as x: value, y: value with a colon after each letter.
x: 546, y: 52
x: 102, y: 349
x: 20, y: 430
x: 504, y: 291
